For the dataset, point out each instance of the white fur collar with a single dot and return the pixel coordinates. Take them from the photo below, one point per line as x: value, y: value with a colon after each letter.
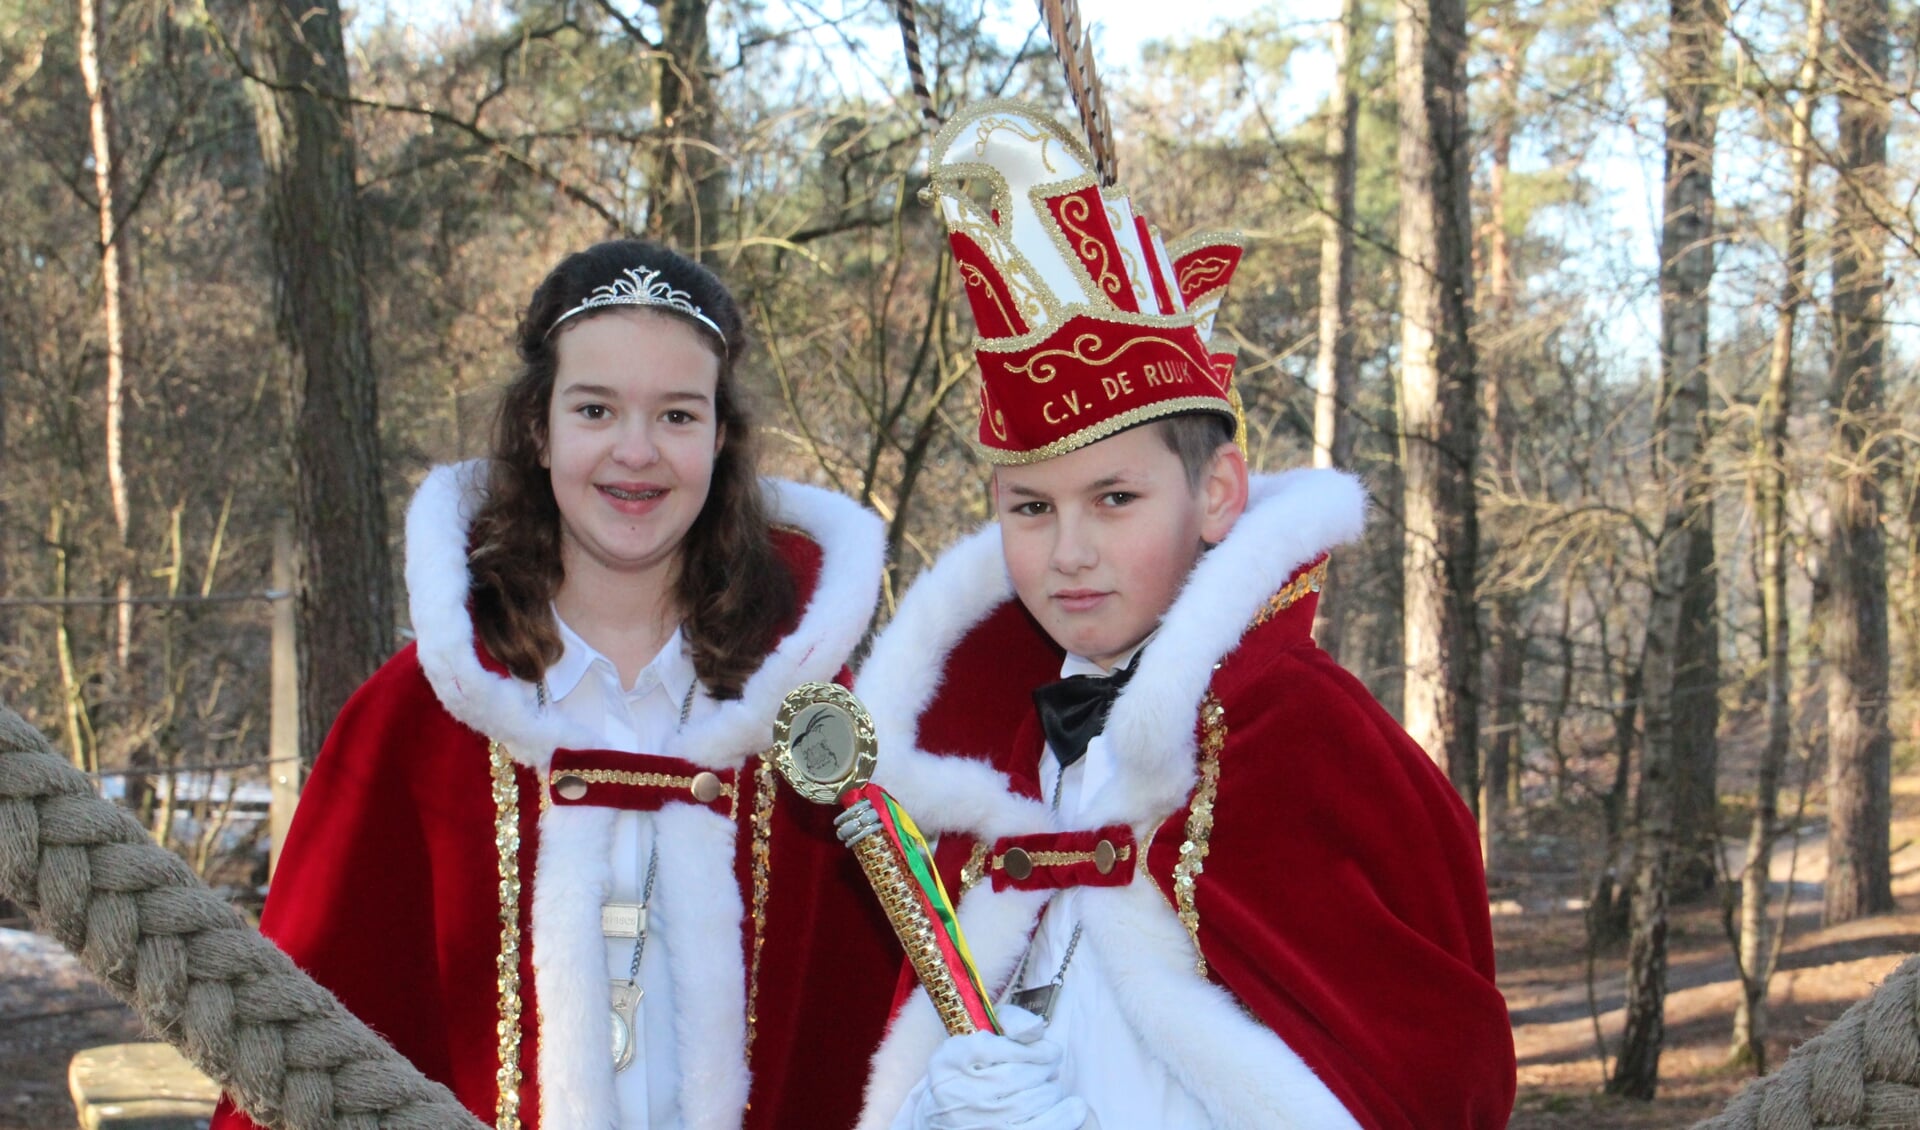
x: 1291, y: 518
x: 1241, y: 1071
x: 852, y: 542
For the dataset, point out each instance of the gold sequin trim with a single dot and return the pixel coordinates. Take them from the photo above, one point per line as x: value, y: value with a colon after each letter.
x: 1307, y: 582
x: 1103, y: 429
x: 763, y: 797
x: 1204, y: 238
x: 1193, y: 852
x: 975, y: 869
x: 506, y: 843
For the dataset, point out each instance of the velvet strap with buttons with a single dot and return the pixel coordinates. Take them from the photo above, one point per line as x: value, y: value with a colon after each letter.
x: 636, y: 782
x: 1097, y: 857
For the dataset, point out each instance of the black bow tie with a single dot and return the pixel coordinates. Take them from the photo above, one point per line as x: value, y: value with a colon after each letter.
x: 1074, y: 710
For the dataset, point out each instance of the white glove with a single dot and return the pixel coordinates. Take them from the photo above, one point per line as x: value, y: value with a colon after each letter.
x: 985, y: 1081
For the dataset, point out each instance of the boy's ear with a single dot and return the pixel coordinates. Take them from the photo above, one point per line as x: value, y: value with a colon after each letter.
x: 1223, y: 493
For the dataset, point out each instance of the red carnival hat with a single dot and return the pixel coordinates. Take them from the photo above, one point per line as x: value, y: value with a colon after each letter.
x: 1087, y: 322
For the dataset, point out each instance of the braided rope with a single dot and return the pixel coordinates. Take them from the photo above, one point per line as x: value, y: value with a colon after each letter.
x: 143, y: 923
x: 1864, y: 1071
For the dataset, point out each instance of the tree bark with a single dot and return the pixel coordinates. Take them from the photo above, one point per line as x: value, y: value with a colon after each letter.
x: 1859, y: 786
x: 1696, y: 712
x: 1695, y: 29
x: 1502, y: 789
x: 343, y: 589
x: 1333, y: 366
x: 687, y: 189
x: 114, y: 275
x: 1439, y: 409
x: 1755, y: 950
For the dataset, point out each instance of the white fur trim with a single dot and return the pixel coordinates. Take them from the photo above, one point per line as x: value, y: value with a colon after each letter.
x: 571, y: 879
x: 573, y: 873
x: 1245, y: 1076
x: 1291, y: 518
x: 1241, y: 1070
x: 901, y: 675
x: 697, y: 887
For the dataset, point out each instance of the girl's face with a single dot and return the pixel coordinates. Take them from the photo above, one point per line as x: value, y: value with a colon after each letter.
x: 632, y: 433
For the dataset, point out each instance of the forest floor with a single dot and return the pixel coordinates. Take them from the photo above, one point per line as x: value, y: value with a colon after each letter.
x: 1540, y: 940
x: 50, y: 1008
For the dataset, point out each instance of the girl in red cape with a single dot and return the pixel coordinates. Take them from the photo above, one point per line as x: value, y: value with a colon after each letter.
x: 539, y: 852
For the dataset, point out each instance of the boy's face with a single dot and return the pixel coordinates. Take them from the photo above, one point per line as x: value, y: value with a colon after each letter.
x: 1099, y: 540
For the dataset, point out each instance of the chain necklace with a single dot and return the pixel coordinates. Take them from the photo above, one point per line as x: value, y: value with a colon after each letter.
x: 627, y: 994
x: 1040, y: 999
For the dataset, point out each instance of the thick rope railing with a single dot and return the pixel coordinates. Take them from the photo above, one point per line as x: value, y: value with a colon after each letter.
x: 1864, y: 1071
x: 199, y: 976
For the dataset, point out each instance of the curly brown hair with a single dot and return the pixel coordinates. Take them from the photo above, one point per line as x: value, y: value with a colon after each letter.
x: 732, y: 588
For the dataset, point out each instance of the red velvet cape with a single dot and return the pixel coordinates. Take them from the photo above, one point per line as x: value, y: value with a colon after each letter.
x: 1343, y: 902
x: 387, y: 894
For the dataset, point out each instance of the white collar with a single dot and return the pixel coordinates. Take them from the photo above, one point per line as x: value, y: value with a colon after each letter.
x: 671, y: 666
x: 1081, y: 665
x: 852, y: 544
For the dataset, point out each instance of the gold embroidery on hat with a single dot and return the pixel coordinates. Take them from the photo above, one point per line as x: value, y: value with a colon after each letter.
x: 1085, y: 350
x: 1194, y: 241
x: 1089, y: 252
x: 1124, y: 236
x: 990, y: 125
x: 1094, y: 432
x: 976, y: 279
x: 1203, y: 271
x: 1038, y: 309
x: 996, y: 419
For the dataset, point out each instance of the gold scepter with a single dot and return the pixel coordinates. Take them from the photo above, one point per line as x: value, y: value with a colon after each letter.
x: 824, y: 745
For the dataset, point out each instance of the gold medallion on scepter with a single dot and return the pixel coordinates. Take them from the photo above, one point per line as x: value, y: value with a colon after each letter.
x: 824, y: 745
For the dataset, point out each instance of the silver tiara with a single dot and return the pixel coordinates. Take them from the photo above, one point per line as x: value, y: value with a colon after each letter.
x: 640, y: 286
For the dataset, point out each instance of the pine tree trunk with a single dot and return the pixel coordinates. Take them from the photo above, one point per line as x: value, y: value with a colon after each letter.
x: 1859, y: 786
x: 1749, y: 1046
x: 1749, y: 1041
x: 1333, y: 366
x: 687, y: 190
x: 1686, y: 272
x: 114, y: 276
x: 1696, y: 711
x: 1439, y: 408
x: 343, y: 591
x: 1501, y: 792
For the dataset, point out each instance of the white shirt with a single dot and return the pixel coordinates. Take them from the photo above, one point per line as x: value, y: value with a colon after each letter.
x: 1107, y: 1063
x: 584, y: 687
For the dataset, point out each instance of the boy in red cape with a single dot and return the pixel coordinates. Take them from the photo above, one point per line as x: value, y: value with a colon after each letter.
x: 1211, y: 881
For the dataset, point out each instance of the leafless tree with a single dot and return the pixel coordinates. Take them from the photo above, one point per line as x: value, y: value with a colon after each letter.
x: 1438, y: 401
